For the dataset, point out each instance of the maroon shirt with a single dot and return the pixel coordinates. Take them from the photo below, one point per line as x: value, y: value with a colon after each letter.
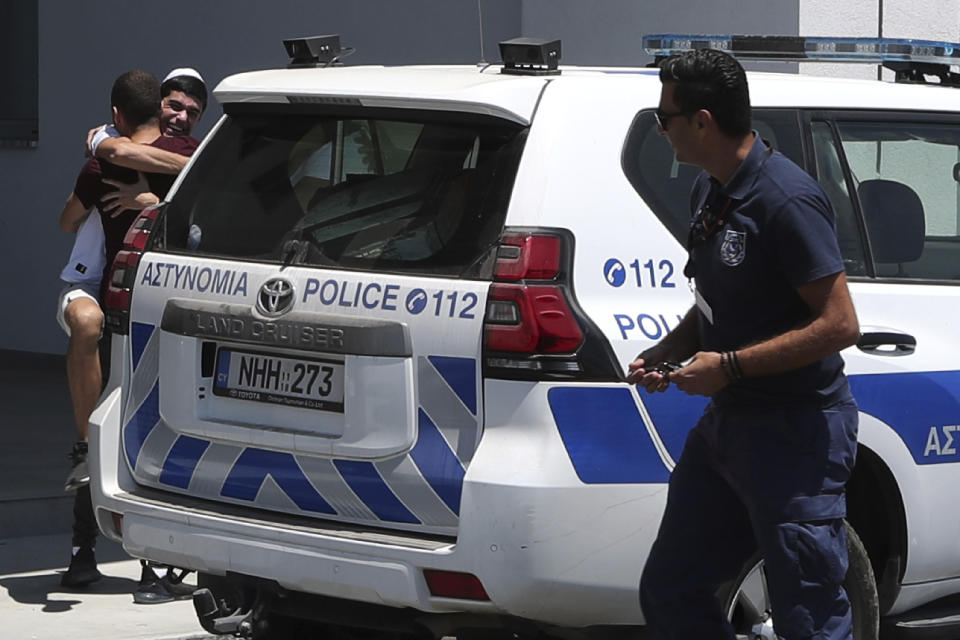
x: 90, y: 188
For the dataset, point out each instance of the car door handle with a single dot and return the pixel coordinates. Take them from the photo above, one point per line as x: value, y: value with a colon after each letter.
x: 887, y: 343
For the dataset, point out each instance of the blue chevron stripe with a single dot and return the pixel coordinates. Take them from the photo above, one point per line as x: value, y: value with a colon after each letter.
x: 254, y: 465
x: 461, y: 375
x: 369, y: 486
x: 139, y: 337
x: 141, y: 424
x: 674, y: 413
x: 182, y: 461
x: 438, y: 463
x: 605, y: 436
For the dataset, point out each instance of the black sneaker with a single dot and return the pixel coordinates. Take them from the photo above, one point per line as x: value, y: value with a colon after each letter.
x: 82, y: 570
x: 154, y: 590
x: 80, y: 473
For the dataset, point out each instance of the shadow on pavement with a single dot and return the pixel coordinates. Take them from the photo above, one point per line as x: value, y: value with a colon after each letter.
x: 44, y: 589
x: 40, y: 553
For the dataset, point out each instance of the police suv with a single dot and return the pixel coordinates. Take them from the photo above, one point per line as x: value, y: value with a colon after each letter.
x: 368, y: 360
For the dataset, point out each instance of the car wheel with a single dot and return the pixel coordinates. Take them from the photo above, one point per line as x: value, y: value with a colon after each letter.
x: 746, y: 600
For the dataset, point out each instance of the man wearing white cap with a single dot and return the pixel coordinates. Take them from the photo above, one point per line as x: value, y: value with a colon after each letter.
x: 183, y: 98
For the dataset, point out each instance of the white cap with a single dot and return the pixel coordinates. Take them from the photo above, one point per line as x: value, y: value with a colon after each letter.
x: 183, y: 71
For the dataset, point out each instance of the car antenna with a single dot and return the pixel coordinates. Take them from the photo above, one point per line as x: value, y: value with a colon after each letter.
x: 483, y: 64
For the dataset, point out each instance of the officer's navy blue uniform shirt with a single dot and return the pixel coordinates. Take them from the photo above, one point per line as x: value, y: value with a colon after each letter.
x: 777, y: 232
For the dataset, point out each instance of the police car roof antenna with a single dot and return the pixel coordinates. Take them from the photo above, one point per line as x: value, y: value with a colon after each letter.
x: 483, y: 64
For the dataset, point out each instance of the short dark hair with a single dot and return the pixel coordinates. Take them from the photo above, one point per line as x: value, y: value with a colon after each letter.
x: 189, y: 85
x: 712, y: 80
x: 136, y: 95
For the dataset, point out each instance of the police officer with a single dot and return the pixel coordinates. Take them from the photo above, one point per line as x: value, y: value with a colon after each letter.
x: 766, y: 465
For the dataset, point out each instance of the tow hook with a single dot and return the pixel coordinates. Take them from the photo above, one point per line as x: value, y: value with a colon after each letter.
x: 217, y: 620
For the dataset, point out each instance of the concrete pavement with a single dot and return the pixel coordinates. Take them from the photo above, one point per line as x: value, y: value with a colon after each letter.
x: 36, y: 432
x: 33, y: 605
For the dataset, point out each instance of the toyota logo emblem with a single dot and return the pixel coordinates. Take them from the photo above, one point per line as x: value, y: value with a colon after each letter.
x: 275, y: 297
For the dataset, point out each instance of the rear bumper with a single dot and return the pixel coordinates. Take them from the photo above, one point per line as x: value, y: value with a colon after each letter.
x: 546, y: 547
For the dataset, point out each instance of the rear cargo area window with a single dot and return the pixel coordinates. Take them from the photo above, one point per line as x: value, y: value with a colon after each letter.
x: 402, y: 194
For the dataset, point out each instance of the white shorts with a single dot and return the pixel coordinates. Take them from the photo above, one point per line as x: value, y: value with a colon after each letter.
x: 75, y: 291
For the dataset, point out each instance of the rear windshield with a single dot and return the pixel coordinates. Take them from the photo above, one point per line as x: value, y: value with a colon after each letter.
x: 410, y: 194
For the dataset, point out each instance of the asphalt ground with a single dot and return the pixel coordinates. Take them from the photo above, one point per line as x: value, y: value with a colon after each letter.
x: 36, y: 433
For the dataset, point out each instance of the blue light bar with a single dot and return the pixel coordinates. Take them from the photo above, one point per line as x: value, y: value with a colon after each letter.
x: 800, y: 49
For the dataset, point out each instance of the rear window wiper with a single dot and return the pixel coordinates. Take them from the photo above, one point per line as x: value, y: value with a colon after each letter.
x: 294, y: 250
x: 303, y: 244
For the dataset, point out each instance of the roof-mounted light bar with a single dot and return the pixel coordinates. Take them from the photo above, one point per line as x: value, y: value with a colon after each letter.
x: 910, y: 59
x: 530, y: 56
x: 315, y: 51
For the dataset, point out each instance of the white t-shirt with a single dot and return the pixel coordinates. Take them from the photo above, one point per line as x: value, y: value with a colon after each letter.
x: 88, y: 257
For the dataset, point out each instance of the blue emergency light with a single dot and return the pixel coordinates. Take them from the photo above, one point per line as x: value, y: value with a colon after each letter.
x: 909, y: 59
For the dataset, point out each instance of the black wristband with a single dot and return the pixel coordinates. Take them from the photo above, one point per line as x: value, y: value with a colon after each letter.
x: 735, y: 365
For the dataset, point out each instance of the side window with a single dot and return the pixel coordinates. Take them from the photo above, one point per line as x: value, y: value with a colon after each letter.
x: 664, y: 184
x: 906, y: 176
x: 831, y: 178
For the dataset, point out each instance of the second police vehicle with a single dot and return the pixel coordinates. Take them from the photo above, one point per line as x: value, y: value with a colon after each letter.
x: 368, y: 359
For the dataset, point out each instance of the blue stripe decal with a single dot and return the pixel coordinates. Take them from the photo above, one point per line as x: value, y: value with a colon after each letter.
x: 461, y: 375
x: 139, y: 337
x: 371, y: 489
x: 252, y: 468
x: 141, y: 424
x: 923, y: 408
x: 674, y: 414
x: 605, y: 436
x: 438, y: 464
x: 182, y: 461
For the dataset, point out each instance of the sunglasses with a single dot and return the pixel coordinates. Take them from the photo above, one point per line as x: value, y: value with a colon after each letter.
x: 663, y: 118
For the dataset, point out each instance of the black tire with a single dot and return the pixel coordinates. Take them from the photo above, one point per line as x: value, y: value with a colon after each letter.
x: 747, y: 604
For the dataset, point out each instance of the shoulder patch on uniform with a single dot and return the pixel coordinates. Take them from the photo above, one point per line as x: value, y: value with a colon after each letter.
x: 734, y: 247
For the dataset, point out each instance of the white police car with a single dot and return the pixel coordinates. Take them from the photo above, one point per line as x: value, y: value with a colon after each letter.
x: 367, y: 362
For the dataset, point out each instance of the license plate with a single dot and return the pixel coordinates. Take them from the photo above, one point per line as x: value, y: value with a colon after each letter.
x: 294, y: 382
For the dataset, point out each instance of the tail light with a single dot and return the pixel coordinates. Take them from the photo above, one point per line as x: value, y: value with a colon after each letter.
x: 123, y: 272
x: 533, y: 327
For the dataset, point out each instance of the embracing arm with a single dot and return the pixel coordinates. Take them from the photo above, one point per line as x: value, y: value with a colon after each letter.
x: 136, y: 196
x: 142, y: 157
x: 833, y: 327
x: 73, y: 214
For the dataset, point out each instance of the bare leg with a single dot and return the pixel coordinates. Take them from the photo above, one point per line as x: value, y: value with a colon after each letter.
x: 85, y: 319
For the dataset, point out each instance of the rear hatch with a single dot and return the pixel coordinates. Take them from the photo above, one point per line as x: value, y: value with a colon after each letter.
x: 306, y: 323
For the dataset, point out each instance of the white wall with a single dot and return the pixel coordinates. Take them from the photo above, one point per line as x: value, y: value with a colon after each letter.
x: 914, y: 19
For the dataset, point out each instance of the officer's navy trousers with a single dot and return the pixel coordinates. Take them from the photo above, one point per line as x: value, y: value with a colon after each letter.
x: 751, y: 478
